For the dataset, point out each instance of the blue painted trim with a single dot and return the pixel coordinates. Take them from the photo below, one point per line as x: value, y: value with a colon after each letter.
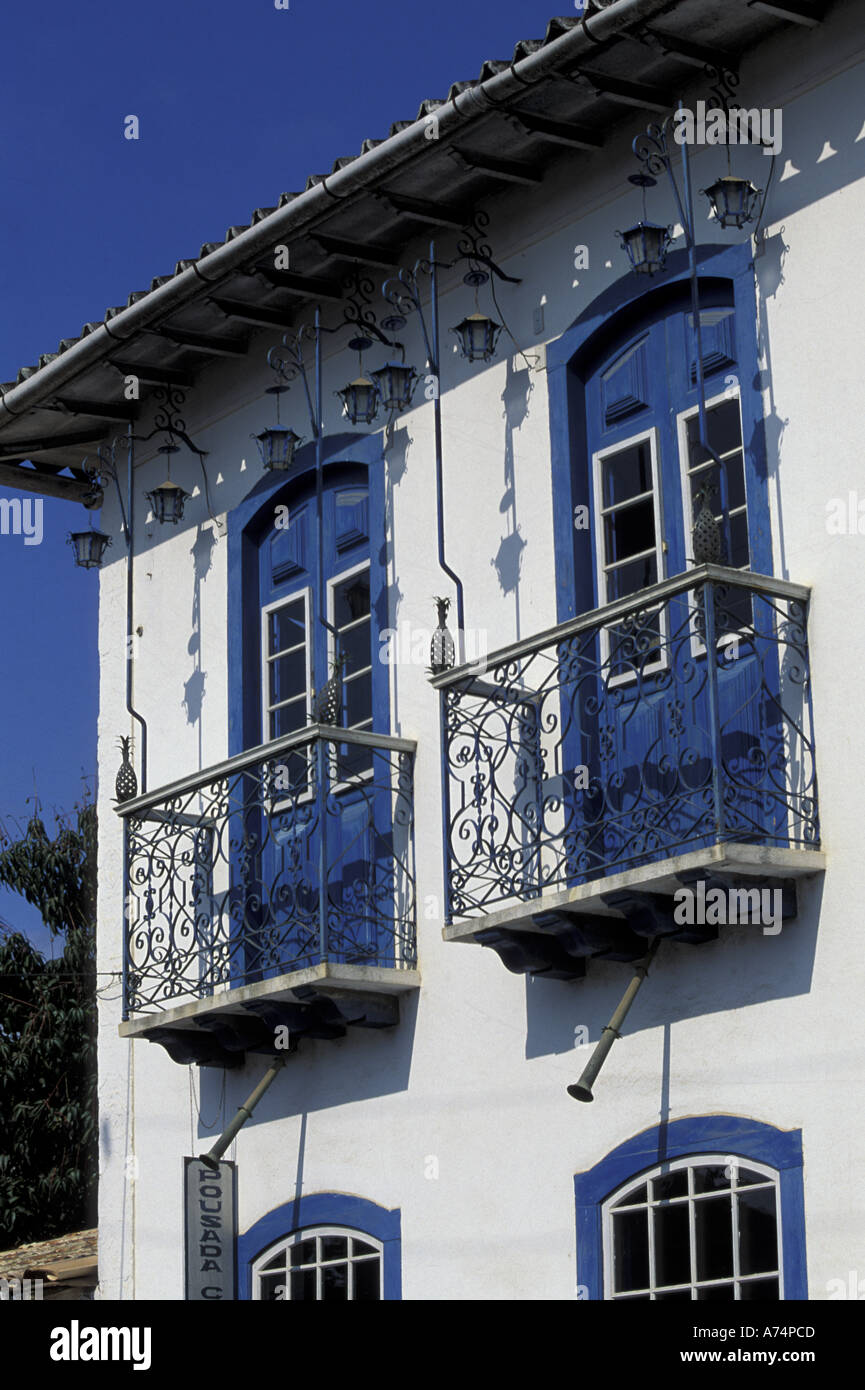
x: 723, y: 1134
x: 720, y: 268
x: 245, y: 521
x: 325, y: 1209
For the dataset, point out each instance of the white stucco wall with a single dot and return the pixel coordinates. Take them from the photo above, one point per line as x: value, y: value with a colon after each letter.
x: 768, y: 1027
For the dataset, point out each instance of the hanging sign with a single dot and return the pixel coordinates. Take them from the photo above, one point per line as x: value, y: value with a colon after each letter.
x: 209, y: 1201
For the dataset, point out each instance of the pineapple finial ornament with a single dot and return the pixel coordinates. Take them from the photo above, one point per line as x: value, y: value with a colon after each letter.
x: 126, y: 783
x: 706, y: 534
x: 442, y: 653
x: 326, y: 705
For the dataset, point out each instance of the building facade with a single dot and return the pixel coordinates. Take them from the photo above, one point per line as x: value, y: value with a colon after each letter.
x: 421, y: 867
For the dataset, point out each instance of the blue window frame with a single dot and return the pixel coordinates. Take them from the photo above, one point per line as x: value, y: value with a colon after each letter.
x: 748, y: 1176
x: 626, y: 452
x: 622, y: 387
x: 362, y: 1228
x: 328, y: 798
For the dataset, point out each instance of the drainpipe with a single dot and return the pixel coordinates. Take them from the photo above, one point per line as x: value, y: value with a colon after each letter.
x: 582, y: 1089
x: 691, y: 233
x: 437, y: 412
x: 128, y: 529
x: 211, y: 1159
x: 128, y: 517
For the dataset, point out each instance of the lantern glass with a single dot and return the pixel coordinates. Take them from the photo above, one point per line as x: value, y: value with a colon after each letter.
x: 89, y: 548
x: 477, y: 336
x: 395, y: 383
x: 360, y: 400
x: 646, y: 245
x: 276, y: 447
x: 167, y: 502
x: 733, y: 200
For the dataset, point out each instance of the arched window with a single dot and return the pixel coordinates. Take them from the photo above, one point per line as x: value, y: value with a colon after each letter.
x: 308, y: 584
x: 322, y: 1264
x: 703, y: 1228
x: 629, y: 473
x: 324, y: 1245
x: 705, y: 1208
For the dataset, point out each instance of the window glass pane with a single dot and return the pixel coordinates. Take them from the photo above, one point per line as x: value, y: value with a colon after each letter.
x: 286, y: 626
x: 679, y: 1295
x: 633, y: 1198
x: 351, y: 599
x: 631, y: 1250
x: 672, y: 1244
x: 714, y: 1238
x: 272, y: 1287
x: 358, y: 700
x: 334, y: 1283
x: 718, y: 1293
x: 304, y: 1252
x: 629, y: 531
x: 637, y: 574
x: 367, y: 1279
x: 711, y: 475
x: 670, y: 1185
x: 277, y: 1262
x: 713, y: 1178
x: 360, y: 1247
x: 287, y: 676
x: 288, y: 719
x: 766, y: 1289
x: 354, y: 645
x: 334, y: 1247
x: 746, y: 1176
x: 303, y: 1284
x: 758, y: 1244
x: 723, y: 428
x: 626, y: 474
x: 725, y: 431
x: 740, y: 554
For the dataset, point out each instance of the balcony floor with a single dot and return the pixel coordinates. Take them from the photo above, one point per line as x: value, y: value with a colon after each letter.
x: 317, y: 1002
x: 750, y: 865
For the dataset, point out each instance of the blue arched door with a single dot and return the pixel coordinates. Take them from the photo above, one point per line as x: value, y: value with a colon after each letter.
x: 638, y: 712
x: 313, y: 856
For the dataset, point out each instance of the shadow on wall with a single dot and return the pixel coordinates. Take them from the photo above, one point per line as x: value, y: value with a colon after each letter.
x: 743, y: 967
x: 364, y: 1064
x: 509, y: 558
x: 193, y: 689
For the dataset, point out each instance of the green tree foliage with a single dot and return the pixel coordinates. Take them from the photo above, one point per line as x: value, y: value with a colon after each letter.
x: 48, y: 1117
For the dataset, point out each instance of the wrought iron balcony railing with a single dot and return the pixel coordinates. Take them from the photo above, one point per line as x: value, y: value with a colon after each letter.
x: 674, y: 719
x: 296, y: 853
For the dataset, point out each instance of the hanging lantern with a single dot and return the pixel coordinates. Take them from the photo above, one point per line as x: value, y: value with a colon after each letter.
x: 477, y: 336
x: 395, y: 383
x: 359, y: 401
x: 733, y: 200
x: 276, y: 447
x: 646, y: 244
x: 89, y: 547
x: 167, y: 502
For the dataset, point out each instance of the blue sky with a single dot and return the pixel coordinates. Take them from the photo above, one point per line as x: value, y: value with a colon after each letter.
x: 237, y: 102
